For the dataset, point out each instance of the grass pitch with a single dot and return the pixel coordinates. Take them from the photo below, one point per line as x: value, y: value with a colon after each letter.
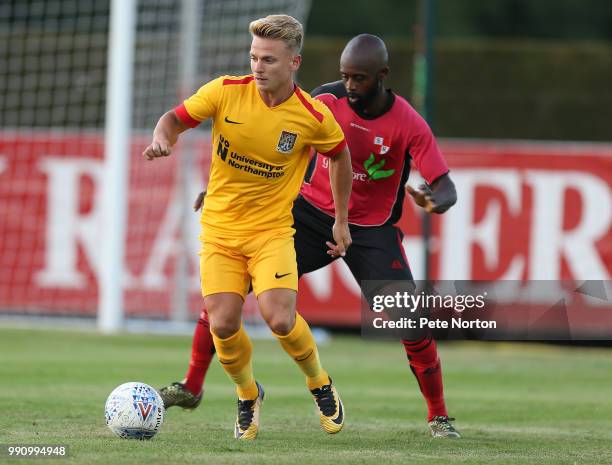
x: 514, y: 403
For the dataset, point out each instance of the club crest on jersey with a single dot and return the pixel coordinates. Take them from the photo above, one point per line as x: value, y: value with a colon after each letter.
x: 286, y: 142
x: 381, y: 145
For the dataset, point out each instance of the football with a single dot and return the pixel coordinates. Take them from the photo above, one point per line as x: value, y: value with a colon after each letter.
x: 134, y: 411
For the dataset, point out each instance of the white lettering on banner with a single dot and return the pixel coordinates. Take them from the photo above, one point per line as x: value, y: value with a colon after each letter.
x: 2, y: 164
x: 549, y: 242
x: 66, y: 227
x: 69, y: 230
x: 320, y: 282
x: 459, y: 232
x: 168, y: 241
x: 166, y: 245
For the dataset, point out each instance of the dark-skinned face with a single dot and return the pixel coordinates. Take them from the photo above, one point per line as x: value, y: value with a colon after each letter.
x: 361, y: 86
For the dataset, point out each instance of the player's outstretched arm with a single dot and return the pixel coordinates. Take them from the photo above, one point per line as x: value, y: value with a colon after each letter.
x: 341, y: 180
x: 437, y: 198
x: 165, y: 135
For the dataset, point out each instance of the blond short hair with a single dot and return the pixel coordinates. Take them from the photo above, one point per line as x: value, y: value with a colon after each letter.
x: 281, y: 27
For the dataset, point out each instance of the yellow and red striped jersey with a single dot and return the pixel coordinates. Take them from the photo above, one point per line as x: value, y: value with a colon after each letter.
x: 259, y: 153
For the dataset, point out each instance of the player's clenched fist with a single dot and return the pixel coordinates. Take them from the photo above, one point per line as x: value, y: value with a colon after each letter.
x: 437, y: 198
x: 165, y: 135
x: 423, y: 197
x: 158, y: 148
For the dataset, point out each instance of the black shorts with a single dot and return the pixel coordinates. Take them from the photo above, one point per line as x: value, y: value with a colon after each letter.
x: 376, y: 253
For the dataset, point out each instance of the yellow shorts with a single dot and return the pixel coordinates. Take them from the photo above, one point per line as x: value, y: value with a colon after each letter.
x: 231, y: 264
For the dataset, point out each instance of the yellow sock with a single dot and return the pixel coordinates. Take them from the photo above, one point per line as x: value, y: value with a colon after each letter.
x: 300, y: 344
x: 235, y: 356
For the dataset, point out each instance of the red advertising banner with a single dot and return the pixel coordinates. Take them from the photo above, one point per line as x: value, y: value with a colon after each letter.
x: 51, y: 231
x: 526, y: 211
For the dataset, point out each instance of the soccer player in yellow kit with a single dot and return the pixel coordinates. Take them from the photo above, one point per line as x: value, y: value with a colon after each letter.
x: 263, y: 128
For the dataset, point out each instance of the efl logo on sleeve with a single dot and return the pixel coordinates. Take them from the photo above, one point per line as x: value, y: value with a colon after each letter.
x: 286, y: 142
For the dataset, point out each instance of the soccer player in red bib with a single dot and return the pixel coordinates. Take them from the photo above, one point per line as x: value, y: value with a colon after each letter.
x: 264, y: 128
x: 384, y: 134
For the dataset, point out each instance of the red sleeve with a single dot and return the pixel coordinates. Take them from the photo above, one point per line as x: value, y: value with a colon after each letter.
x: 425, y: 151
x: 327, y: 99
x: 336, y: 150
x: 185, y: 117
